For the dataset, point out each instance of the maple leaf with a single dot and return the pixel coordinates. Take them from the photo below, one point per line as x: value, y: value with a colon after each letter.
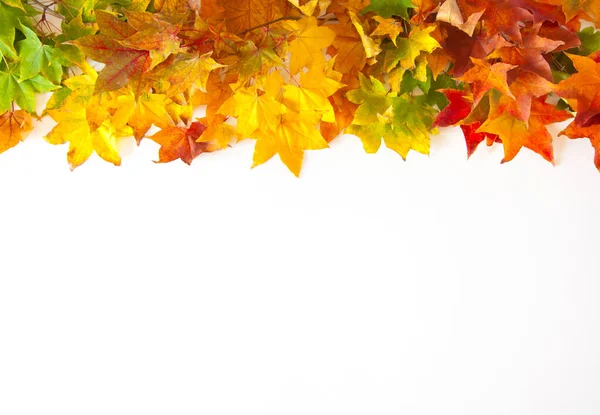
x: 12, y: 13
x: 372, y: 48
x: 186, y: 72
x: 256, y: 106
x: 402, y: 121
x: 500, y: 16
x: 218, y: 91
x: 344, y: 111
x: 591, y: 130
x: 557, y: 32
x: 423, y: 9
x: 515, y: 134
x: 242, y: 15
x: 347, y: 47
x: 408, y: 49
x: 218, y: 134
x: 473, y: 138
x: 530, y: 57
x: 292, y: 134
x: 174, y: 8
x: 180, y: 143
x: 14, y: 127
x: 450, y: 12
x: 589, y: 9
x: 110, y: 25
x: 293, y: 74
x: 310, y: 40
x: 129, y: 49
x: 456, y: 111
x: 590, y: 41
x: 153, y: 34
x: 387, y: 27
x: 584, y: 87
x: 461, y: 48
x: 313, y: 92
x: 373, y: 99
x: 524, y: 88
x: 123, y: 63
x: 83, y: 122
x: 39, y: 58
x: 12, y: 88
x: 389, y: 8
x: 484, y: 77
x: 140, y: 113
x: 308, y: 8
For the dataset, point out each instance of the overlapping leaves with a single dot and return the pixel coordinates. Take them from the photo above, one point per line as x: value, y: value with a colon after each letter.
x: 294, y: 74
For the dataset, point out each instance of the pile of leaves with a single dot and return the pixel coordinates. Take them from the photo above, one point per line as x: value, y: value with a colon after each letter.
x: 294, y: 74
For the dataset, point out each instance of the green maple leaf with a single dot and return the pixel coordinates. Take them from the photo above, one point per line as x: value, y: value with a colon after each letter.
x: 590, y: 41
x: 389, y: 8
x: 9, y: 19
x: 402, y: 121
x: 12, y: 88
x: 373, y: 99
x: 36, y: 58
x: 408, y: 49
x: 72, y: 8
x: 76, y: 28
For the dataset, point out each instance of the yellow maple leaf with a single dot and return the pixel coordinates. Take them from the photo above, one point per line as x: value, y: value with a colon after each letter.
x: 292, y: 134
x: 310, y: 41
x: 83, y: 122
x: 256, y: 106
x: 387, y: 27
x: 372, y: 48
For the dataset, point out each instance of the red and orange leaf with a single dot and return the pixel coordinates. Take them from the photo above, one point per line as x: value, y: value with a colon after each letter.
x: 484, y: 77
x: 591, y: 131
x: 180, y: 143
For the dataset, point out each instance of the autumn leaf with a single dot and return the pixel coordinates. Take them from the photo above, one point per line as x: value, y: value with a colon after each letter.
x: 403, y: 122
x: 140, y: 113
x: 390, y: 28
x: 186, y: 72
x: 583, y: 87
x: 450, y: 12
x: 180, y: 143
x: 524, y: 88
x: 473, y: 137
x: 389, y: 8
x: 500, y: 16
x: 310, y: 40
x: 292, y: 134
x: 84, y: 123
x: 515, y: 134
x: 14, y: 127
x: 347, y: 47
x: 530, y: 57
x: 256, y: 106
x: 294, y: 74
x: 485, y: 76
x: 39, y: 58
x: 456, y: 111
x: 408, y: 49
x: 372, y: 48
x: 241, y: 15
x: 123, y: 63
x: 589, y: 9
x: 591, y: 130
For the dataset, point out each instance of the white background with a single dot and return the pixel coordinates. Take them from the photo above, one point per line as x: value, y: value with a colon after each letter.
x: 368, y: 286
